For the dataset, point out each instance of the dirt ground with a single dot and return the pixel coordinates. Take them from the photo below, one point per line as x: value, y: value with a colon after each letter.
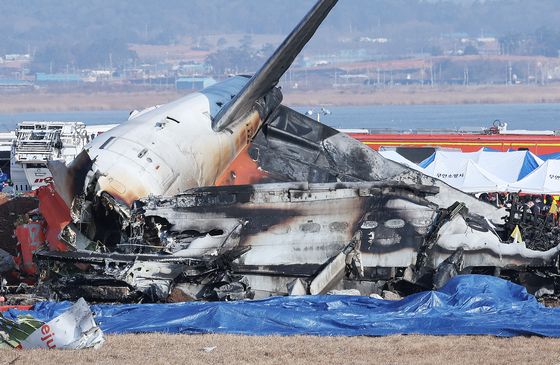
x: 69, y: 102
x: 416, y: 95
x: 230, y: 349
x: 402, y: 95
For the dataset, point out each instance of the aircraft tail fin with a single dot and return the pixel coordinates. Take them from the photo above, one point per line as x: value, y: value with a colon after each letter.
x: 270, y: 73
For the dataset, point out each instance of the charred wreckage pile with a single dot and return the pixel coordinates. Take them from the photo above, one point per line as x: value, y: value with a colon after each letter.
x: 252, y: 241
x: 226, y: 194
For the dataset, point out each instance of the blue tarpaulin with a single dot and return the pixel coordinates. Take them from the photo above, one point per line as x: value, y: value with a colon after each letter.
x: 551, y: 156
x: 428, y: 161
x: 470, y: 304
x: 530, y: 164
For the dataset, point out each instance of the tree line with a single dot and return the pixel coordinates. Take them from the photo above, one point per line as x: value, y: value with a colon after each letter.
x: 84, y: 34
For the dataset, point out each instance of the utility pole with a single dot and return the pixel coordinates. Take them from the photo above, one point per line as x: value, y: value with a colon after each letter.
x: 431, y: 73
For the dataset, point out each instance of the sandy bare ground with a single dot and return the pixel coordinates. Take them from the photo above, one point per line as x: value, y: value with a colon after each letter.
x: 229, y: 349
x: 411, y: 95
x: 64, y: 102
x: 402, y: 95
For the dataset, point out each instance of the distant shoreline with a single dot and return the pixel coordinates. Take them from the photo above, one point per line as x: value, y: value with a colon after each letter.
x: 400, y: 95
x: 416, y: 95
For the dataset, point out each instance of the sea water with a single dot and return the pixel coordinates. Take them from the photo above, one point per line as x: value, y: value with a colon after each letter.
x: 518, y: 116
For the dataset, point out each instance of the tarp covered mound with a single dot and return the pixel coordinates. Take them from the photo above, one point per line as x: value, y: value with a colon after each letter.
x: 470, y: 304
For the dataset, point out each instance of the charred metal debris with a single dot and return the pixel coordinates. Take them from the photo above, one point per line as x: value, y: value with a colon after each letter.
x: 225, y: 194
x: 321, y: 212
x: 243, y: 242
x: 357, y: 221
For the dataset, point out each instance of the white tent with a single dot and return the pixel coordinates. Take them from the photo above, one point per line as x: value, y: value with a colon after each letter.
x: 397, y: 157
x: 544, y: 180
x: 507, y: 166
x: 465, y: 175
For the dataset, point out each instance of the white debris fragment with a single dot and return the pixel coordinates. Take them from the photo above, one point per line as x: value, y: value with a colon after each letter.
x: 389, y: 295
x: 74, y: 329
x: 354, y: 292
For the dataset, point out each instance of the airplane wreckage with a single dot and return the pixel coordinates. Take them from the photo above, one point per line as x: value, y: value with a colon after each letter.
x: 226, y: 194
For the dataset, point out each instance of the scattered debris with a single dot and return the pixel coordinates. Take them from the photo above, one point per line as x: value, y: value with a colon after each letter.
x: 354, y: 292
x: 11, y: 209
x: 7, y: 263
x: 73, y: 329
x: 540, y: 232
x: 297, y: 287
x: 243, y: 242
x: 389, y: 295
x: 544, y: 292
x: 227, y: 195
x: 448, y: 269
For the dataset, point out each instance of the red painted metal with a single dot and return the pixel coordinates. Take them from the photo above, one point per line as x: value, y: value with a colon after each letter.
x: 56, y: 215
x: 31, y: 236
x: 35, y: 234
x: 5, y: 308
x: 538, y: 144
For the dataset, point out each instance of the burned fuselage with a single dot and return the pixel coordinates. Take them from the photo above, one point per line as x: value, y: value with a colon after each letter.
x: 227, y: 194
x: 268, y: 236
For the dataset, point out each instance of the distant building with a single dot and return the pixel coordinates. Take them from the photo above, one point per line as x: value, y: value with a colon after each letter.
x: 19, y: 85
x: 350, y: 80
x: 17, y: 57
x: 373, y: 40
x: 194, y: 83
x: 191, y: 69
x: 488, y: 46
x: 97, y: 75
x: 44, y: 78
x: 343, y: 56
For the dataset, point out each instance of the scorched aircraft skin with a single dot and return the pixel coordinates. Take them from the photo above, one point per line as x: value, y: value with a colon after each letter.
x: 227, y: 194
